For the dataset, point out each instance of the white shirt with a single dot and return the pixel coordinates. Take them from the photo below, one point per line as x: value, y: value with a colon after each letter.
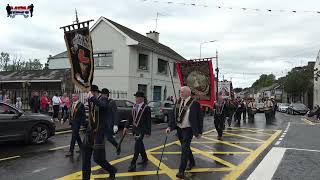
x: 56, y: 100
x: 138, y: 106
x: 185, y: 122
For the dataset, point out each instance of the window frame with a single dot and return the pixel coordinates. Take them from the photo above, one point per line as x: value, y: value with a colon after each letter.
x: 147, y: 62
x: 166, y: 67
x: 103, y: 54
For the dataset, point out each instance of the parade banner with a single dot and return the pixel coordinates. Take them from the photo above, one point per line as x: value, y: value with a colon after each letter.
x: 224, y: 88
x: 198, y: 75
x: 80, y: 53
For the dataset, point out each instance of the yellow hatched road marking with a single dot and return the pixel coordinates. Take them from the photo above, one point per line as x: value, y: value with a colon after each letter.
x: 227, y: 143
x: 171, y: 173
x: 232, y: 142
x: 126, y: 174
x: 245, y: 164
x: 308, y: 122
x: 8, y: 158
x: 255, y: 131
x: 208, y: 155
x: 245, y: 136
x: 210, y: 152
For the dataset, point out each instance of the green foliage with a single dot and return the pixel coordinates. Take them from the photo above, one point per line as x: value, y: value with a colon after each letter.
x: 237, y: 90
x: 8, y: 63
x: 264, y: 81
x: 299, y: 81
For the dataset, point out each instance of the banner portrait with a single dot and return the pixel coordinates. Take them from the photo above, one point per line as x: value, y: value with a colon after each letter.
x: 198, y: 75
x: 80, y: 53
x: 224, y: 89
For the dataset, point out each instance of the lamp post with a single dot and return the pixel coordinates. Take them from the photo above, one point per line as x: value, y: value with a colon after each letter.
x: 205, y: 43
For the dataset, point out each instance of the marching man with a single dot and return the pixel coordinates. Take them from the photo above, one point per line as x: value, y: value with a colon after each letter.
x: 188, y: 122
x: 141, y: 121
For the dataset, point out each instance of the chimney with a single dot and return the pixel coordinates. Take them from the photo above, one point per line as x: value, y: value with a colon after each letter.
x: 153, y: 35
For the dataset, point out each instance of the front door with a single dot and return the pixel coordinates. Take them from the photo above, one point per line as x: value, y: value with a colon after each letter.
x: 157, y: 93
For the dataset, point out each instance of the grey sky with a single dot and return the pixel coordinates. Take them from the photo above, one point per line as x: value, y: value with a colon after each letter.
x: 249, y: 43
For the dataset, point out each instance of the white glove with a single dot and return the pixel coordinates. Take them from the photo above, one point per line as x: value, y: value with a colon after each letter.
x: 115, y: 129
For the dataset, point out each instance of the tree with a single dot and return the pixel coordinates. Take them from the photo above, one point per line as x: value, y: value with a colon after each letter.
x: 237, y: 90
x: 264, y: 81
x: 17, y: 64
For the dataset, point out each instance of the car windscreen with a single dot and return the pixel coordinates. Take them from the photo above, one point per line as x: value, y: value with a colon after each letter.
x: 154, y: 104
x: 120, y: 103
x: 298, y: 105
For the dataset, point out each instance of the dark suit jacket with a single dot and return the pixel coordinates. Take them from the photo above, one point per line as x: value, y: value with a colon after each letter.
x: 195, y: 118
x: 112, y: 117
x: 99, y: 126
x: 144, y: 127
x: 224, y: 113
x: 79, y: 117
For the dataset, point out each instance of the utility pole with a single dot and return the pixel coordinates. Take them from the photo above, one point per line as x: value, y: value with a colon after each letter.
x: 77, y: 20
x: 217, y: 71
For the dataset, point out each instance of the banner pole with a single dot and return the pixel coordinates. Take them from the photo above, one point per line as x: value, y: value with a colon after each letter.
x: 174, y: 90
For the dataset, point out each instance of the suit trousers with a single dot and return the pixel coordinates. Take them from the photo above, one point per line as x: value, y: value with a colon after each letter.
x: 75, y: 137
x: 139, y: 149
x: 219, y: 124
x: 185, y: 137
x: 99, y: 156
x: 111, y: 139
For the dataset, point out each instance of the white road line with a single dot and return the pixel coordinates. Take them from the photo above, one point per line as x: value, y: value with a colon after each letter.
x: 57, y: 148
x: 277, y: 143
x: 280, y: 139
x: 297, y: 149
x: 39, y: 170
x: 268, y: 165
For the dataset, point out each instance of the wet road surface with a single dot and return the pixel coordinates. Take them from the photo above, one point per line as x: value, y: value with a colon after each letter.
x: 236, y: 157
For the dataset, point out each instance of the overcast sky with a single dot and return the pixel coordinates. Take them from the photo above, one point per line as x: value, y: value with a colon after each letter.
x: 249, y: 43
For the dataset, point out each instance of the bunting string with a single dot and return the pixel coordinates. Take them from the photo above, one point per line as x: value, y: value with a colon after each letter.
x: 231, y: 7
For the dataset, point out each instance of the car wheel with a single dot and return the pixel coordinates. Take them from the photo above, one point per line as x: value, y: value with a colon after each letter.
x: 165, y: 119
x: 39, y: 134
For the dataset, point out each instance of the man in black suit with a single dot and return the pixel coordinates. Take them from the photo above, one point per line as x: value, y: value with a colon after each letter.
x: 188, y: 122
x: 77, y: 117
x: 94, y: 138
x: 220, y: 114
x: 141, y: 121
x: 112, y: 120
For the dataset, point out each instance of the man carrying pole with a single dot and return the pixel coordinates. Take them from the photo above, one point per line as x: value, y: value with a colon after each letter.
x: 188, y: 123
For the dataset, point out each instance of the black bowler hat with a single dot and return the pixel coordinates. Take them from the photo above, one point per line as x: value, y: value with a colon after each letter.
x: 105, y: 91
x: 94, y: 88
x: 139, y: 94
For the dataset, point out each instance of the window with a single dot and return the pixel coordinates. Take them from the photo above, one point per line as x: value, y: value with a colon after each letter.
x: 157, y: 93
x: 143, y: 88
x: 162, y: 66
x: 167, y: 105
x: 120, y: 103
x: 175, y: 73
x: 4, y: 109
x: 129, y: 104
x: 143, y: 62
x: 103, y: 60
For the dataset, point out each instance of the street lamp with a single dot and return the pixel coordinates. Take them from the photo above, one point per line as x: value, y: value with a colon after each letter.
x: 205, y: 43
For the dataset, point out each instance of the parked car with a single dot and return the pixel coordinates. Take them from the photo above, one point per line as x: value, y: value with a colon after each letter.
x: 160, y: 110
x: 283, y: 107
x: 16, y: 125
x: 297, y: 108
x: 260, y: 107
x: 124, y: 110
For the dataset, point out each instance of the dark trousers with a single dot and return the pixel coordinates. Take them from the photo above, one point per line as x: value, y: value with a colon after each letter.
x: 219, y: 124
x: 55, y: 111
x: 99, y: 156
x: 75, y: 137
x: 64, y: 113
x: 250, y: 114
x: 268, y: 115
x: 111, y: 139
x: 237, y: 116
x: 185, y: 136
x: 139, y: 149
x: 244, y: 114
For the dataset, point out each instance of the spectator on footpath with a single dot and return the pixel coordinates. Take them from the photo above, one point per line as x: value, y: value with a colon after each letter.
x: 55, y: 105
x: 1, y: 96
x: 44, y: 103
x: 35, y: 102
x: 65, y: 106
x: 19, y: 103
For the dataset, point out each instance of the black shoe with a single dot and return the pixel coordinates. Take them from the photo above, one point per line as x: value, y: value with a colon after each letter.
x: 118, y: 150
x: 132, y: 168
x: 69, y: 154
x: 191, y: 165
x: 180, y: 175
x: 143, y: 162
x: 113, y: 174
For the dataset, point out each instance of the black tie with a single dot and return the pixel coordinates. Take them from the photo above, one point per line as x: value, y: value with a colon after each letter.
x: 183, y: 102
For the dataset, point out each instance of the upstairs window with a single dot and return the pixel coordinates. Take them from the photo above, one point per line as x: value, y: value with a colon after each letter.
x: 162, y: 66
x: 143, y: 62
